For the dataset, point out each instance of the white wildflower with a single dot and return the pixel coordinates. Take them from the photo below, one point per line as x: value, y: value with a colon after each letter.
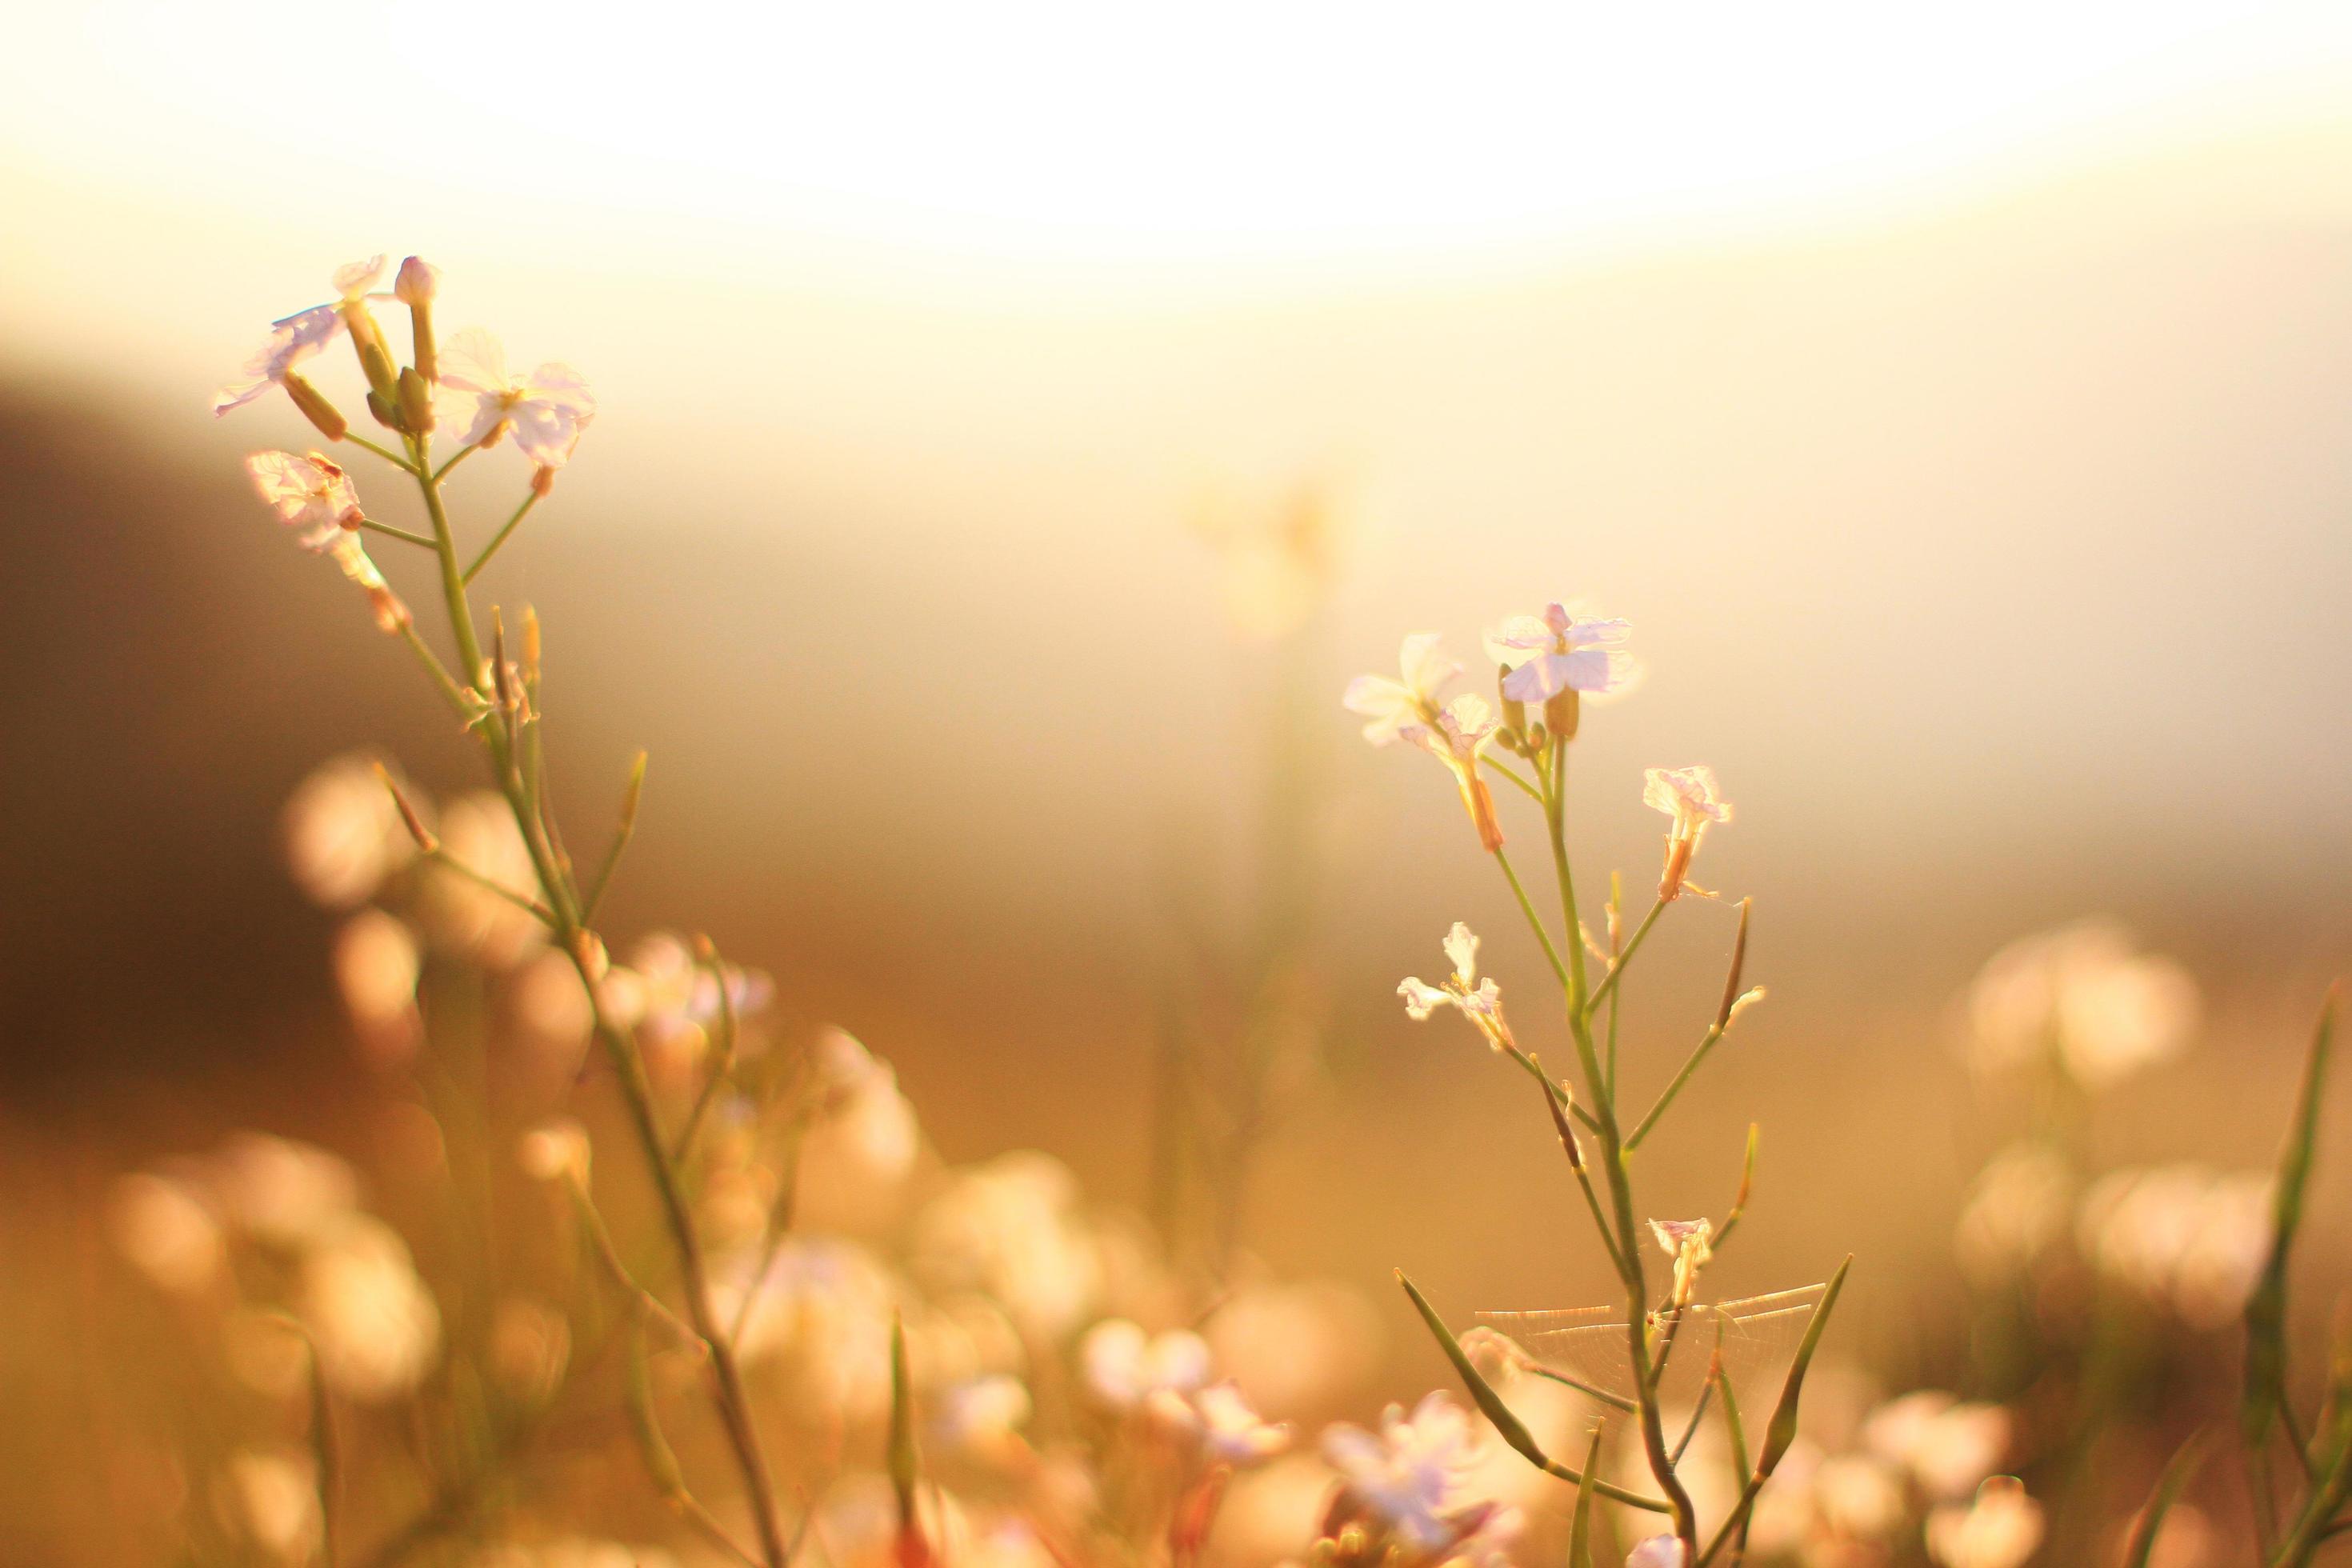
x: 1125, y: 1365
x: 1412, y: 698
x: 1480, y: 1001
x: 1690, y: 796
x: 480, y: 401
x: 1558, y: 652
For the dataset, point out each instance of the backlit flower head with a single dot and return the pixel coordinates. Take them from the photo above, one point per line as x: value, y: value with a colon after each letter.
x: 1480, y: 1001
x: 2088, y: 994
x: 1690, y: 1242
x: 350, y: 554
x: 309, y: 493
x: 1422, y: 670
x: 481, y: 401
x: 1457, y: 735
x: 2001, y: 1529
x: 1221, y: 1420
x: 1692, y: 798
x: 1413, y: 1474
x: 1556, y: 657
x: 291, y: 341
x: 1125, y: 1365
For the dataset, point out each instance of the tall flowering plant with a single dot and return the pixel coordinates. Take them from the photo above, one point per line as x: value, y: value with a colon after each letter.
x: 1547, y: 664
x: 448, y: 403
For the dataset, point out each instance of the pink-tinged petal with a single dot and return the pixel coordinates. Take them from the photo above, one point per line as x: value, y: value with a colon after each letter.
x: 305, y: 332
x: 1516, y: 637
x: 237, y: 393
x: 1420, y: 1000
x: 1556, y: 617
x: 1599, y: 633
x: 417, y: 282
x: 1424, y: 665
x: 357, y: 278
x: 561, y: 386
x: 544, y: 433
x: 475, y: 361
x: 471, y: 415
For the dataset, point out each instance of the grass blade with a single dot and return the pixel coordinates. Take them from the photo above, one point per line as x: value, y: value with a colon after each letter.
x: 1506, y: 1420
x: 2265, y: 1379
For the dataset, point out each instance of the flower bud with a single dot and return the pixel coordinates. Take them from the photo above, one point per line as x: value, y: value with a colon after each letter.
x: 416, y: 402
x: 386, y: 410
x: 416, y: 285
x: 1561, y: 711
x: 316, y: 408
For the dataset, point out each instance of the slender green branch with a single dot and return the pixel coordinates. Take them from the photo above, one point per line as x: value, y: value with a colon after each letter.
x: 386, y: 453
x: 1691, y: 1065
x: 1608, y: 982
x: 448, y: 862
x: 1512, y: 776
x: 434, y: 667
x: 1535, y: 921
x: 630, y: 795
x: 723, y: 1066
x: 1506, y: 1420
x: 443, y: 471
x: 500, y: 538
x: 1556, y: 1100
x: 403, y: 535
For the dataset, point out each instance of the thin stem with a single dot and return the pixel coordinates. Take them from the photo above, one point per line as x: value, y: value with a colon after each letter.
x: 1535, y: 921
x: 403, y: 535
x: 499, y: 538
x: 578, y: 943
x: 1607, y: 982
x: 1512, y: 775
x: 1555, y: 1101
x: 443, y: 471
x: 437, y: 670
x: 723, y: 1063
x: 1658, y: 1109
x: 442, y: 858
x: 1556, y: 822
x: 640, y: 1298
x: 386, y: 453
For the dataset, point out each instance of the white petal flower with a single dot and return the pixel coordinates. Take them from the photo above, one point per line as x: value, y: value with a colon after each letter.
x: 1460, y: 732
x: 1462, y: 947
x: 479, y: 398
x: 1421, y: 1000
x: 1690, y: 1242
x: 1125, y: 1366
x: 1223, y: 1421
x: 1390, y: 705
x: 1557, y: 652
x: 1482, y: 1003
x: 1412, y: 1474
x: 291, y: 341
x: 309, y: 493
x: 353, y: 279
x: 1691, y: 797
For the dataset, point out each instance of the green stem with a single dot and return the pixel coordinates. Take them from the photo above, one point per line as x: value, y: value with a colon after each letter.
x: 443, y: 471
x: 1535, y: 921
x: 386, y: 453
x: 403, y: 535
x: 1608, y: 982
x: 499, y: 538
x: 577, y: 943
x: 1658, y: 1109
x: 1512, y: 776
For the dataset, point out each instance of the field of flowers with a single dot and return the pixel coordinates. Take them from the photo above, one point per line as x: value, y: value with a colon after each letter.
x: 644, y: 1277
